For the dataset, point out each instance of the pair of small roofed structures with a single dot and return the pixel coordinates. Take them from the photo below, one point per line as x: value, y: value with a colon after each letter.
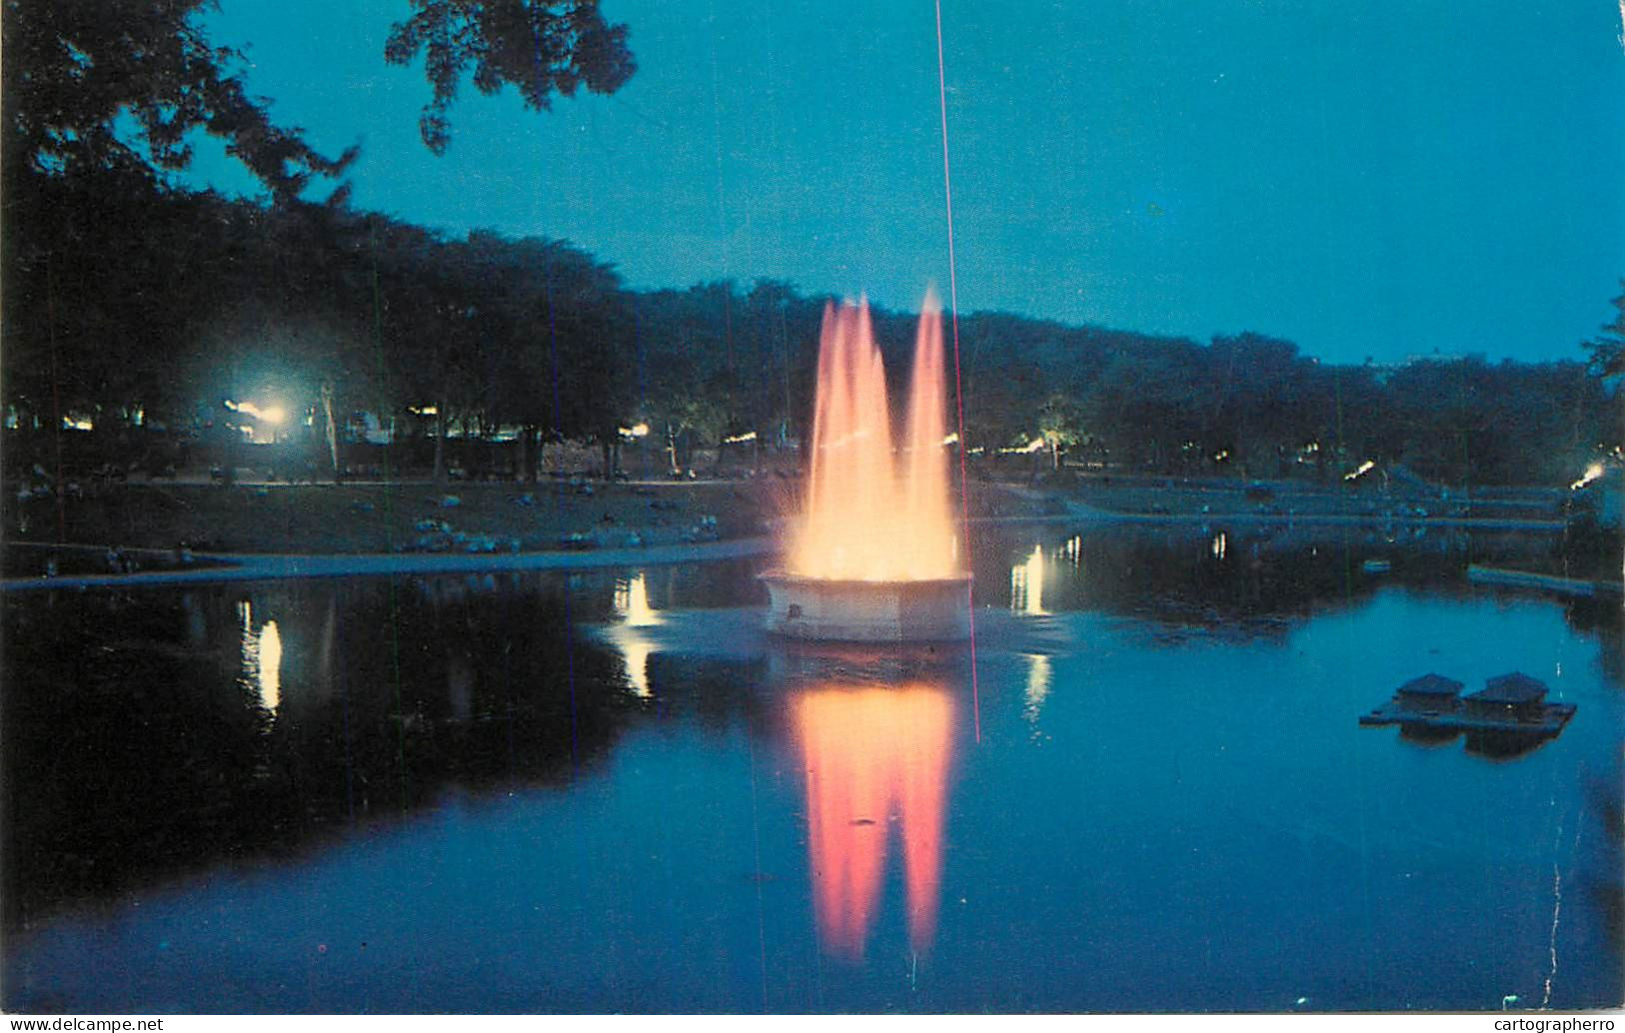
x: 1509, y: 715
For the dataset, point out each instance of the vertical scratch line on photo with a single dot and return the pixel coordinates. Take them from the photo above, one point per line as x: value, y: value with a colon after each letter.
x: 349, y: 749
x: 56, y: 401
x: 959, y: 394
x: 1557, y: 904
x: 389, y: 532
x: 553, y: 357
x: 757, y: 874
x: 716, y: 140
x: 569, y: 621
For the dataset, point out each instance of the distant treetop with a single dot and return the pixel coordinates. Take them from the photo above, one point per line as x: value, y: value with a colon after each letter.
x: 540, y: 46
x: 1608, y: 349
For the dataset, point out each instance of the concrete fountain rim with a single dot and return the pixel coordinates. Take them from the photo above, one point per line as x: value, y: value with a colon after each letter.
x: 791, y: 578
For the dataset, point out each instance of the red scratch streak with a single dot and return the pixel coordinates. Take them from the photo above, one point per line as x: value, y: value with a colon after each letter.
x: 959, y: 396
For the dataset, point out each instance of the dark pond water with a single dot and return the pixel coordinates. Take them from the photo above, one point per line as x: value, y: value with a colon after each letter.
x: 610, y: 792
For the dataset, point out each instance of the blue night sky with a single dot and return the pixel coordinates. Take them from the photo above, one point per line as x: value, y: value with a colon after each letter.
x: 1366, y: 179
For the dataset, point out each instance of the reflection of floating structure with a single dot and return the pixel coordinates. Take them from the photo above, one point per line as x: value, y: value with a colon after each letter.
x: 936, y: 610
x: 874, y: 756
x: 1511, y: 705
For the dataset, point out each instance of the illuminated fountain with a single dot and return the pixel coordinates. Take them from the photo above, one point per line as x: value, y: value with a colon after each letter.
x: 875, y: 558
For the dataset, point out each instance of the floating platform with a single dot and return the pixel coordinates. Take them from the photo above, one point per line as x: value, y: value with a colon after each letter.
x: 935, y: 610
x: 1511, y: 704
x: 1547, y: 722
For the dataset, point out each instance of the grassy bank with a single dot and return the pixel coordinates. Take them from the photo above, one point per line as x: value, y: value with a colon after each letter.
x: 395, y: 518
x: 418, y: 517
x: 576, y: 514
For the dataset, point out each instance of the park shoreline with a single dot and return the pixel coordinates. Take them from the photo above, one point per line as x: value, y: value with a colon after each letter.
x: 283, y: 566
x: 201, y: 533
x: 204, y: 568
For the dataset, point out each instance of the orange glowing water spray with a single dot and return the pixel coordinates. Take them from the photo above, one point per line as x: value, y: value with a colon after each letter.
x: 871, y: 517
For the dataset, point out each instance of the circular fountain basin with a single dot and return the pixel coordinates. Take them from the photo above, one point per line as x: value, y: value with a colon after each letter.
x: 936, y: 610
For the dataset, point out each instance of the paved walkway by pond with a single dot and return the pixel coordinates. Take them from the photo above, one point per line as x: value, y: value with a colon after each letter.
x: 253, y: 567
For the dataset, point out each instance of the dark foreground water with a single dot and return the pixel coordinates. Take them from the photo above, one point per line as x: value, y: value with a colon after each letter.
x: 610, y: 792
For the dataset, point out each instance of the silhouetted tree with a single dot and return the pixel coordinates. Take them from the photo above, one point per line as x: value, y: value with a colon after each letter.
x: 118, y: 85
x: 542, y: 47
x: 1608, y: 349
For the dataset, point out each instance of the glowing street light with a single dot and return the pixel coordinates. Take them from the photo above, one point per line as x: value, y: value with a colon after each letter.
x: 1593, y: 472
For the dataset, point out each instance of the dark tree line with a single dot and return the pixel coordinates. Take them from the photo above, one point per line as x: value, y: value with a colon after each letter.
x: 127, y: 301
x: 1256, y: 406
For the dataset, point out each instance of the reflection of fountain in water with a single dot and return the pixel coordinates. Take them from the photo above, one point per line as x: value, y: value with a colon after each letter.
x: 873, y: 756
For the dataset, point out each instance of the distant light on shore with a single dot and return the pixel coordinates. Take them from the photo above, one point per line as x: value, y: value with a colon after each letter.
x: 1593, y: 472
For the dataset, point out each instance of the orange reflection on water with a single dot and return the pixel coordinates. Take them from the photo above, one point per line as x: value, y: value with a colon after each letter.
x: 874, y: 756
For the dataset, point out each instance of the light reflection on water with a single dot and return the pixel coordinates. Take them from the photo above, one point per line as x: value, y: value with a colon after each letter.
x: 262, y: 657
x: 632, y: 601
x: 632, y: 607
x: 1027, y: 584
x: 1039, y: 675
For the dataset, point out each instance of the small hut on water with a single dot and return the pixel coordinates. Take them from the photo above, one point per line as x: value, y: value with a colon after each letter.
x: 1429, y: 694
x: 1514, y: 696
x: 1509, y: 705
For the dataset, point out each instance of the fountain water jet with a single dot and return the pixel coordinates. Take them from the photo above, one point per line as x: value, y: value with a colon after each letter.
x: 875, y: 558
